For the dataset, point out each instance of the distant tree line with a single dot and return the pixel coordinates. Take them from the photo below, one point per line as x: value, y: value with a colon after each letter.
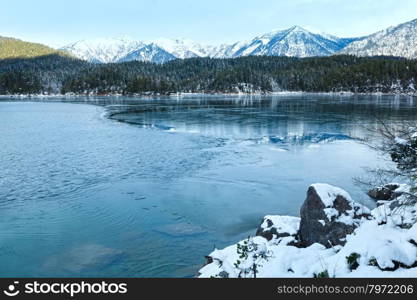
x: 61, y: 74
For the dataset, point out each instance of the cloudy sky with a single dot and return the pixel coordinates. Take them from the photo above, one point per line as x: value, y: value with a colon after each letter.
x: 58, y: 22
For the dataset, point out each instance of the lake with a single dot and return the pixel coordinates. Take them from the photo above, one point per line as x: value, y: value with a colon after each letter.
x: 125, y: 187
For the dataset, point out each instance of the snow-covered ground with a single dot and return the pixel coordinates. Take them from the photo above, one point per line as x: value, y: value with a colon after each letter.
x: 382, y: 245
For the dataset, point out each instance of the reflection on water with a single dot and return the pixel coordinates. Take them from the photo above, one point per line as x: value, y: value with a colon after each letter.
x: 150, y: 195
x: 257, y: 117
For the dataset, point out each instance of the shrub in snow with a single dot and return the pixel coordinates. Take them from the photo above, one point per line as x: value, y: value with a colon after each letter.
x: 404, y: 152
x: 323, y: 274
x: 251, y: 257
x: 352, y: 261
x: 399, y: 142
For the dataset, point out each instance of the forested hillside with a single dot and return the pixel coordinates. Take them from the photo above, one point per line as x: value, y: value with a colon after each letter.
x: 14, y: 48
x: 60, y: 74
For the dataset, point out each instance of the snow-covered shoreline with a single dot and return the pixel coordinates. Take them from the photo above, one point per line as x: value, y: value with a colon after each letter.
x: 174, y: 95
x: 377, y: 243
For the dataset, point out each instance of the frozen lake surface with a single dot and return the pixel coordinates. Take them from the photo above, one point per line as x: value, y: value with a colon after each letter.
x: 146, y: 188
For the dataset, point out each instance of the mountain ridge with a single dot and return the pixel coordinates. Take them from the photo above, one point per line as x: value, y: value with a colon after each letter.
x: 393, y: 41
x: 296, y: 41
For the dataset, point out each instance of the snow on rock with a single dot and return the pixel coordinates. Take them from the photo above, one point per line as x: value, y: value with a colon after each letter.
x: 402, y: 211
x: 385, y: 246
x: 274, y: 227
x: 386, y: 192
x: 373, y: 249
x: 328, y: 193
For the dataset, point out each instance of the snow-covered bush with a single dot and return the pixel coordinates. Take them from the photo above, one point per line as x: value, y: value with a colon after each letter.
x: 251, y: 257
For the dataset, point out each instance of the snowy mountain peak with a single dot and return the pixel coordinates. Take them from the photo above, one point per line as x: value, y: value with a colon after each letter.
x: 399, y: 41
x: 114, y: 50
x: 297, y: 28
x: 294, y: 41
x: 285, y: 31
x: 184, y: 48
x: 149, y: 53
x: 102, y: 50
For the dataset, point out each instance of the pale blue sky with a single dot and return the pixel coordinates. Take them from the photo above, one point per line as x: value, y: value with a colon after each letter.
x: 58, y: 22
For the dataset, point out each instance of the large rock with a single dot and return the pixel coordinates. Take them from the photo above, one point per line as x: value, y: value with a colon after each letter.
x: 328, y: 215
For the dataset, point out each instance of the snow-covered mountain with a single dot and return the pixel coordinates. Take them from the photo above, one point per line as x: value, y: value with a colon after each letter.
x: 295, y: 41
x: 185, y: 48
x: 114, y: 50
x: 228, y: 51
x: 108, y: 50
x: 400, y: 41
x: 148, y: 53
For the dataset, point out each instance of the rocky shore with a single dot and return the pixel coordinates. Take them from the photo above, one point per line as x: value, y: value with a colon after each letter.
x: 333, y: 237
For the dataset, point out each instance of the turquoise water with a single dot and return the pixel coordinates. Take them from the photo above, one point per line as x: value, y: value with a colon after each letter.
x: 113, y: 187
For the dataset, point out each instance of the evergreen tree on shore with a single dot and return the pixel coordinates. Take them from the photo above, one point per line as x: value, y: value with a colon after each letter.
x: 60, y: 74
